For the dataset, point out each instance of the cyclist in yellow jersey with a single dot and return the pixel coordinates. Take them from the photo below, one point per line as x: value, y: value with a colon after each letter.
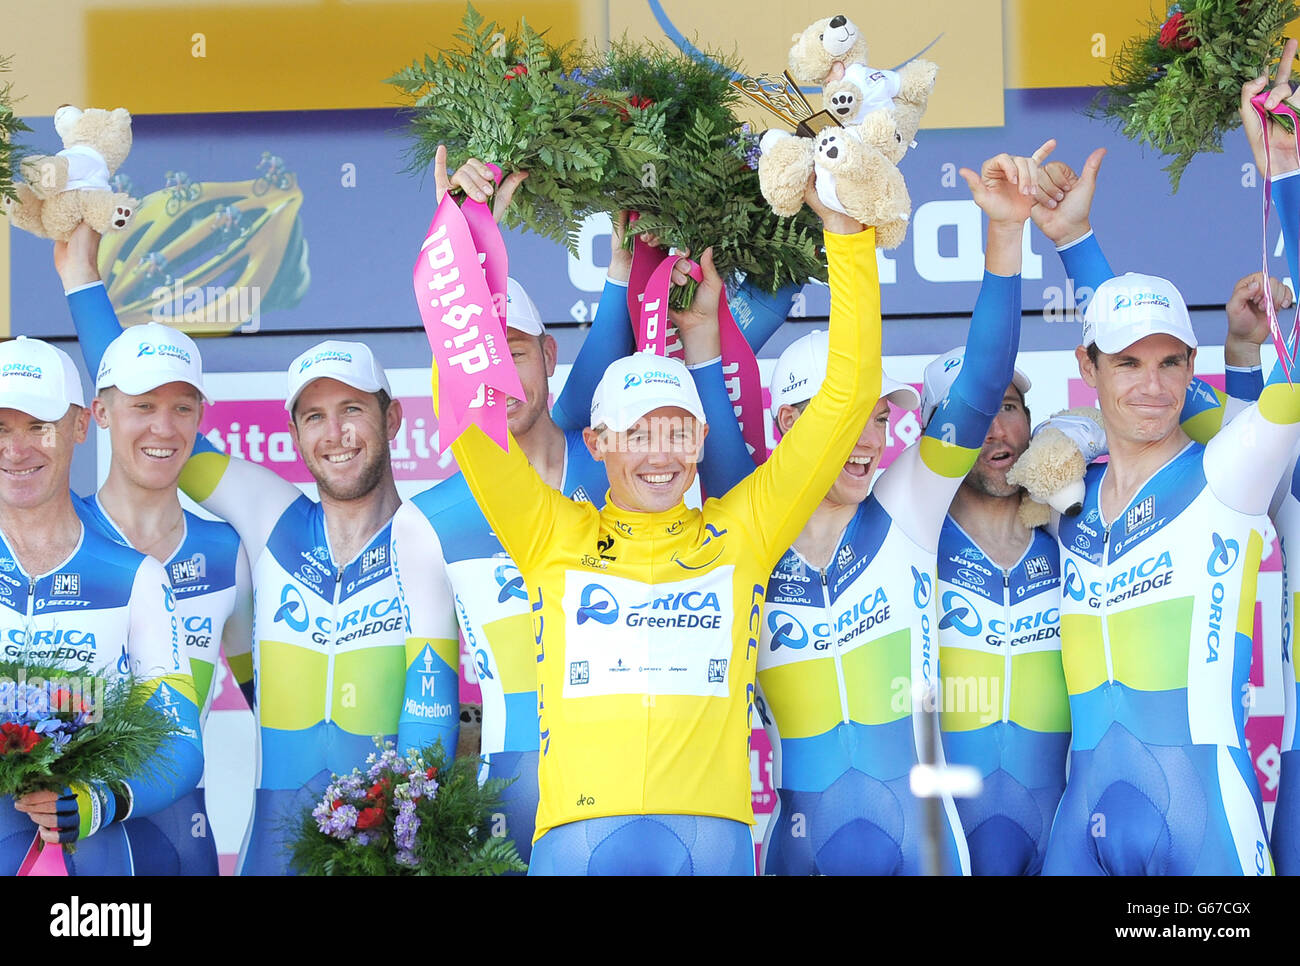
x: 647, y: 614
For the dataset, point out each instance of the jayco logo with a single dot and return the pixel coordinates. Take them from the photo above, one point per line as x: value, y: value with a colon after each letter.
x: 1223, y: 557
x: 510, y: 582
x: 597, y: 604
x: 786, y: 630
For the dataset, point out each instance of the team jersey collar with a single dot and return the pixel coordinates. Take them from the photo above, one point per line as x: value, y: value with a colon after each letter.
x: 634, y: 524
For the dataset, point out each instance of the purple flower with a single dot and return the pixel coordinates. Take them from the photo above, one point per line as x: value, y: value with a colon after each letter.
x: 337, y: 822
x: 405, y: 826
x: 407, y: 858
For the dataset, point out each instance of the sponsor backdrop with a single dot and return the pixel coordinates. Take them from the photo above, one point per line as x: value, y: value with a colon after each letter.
x: 251, y: 422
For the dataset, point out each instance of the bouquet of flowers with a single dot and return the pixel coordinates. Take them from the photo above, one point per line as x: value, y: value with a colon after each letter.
x: 406, y: 816
x: 1178, y: 87
x: 60, y: 726
x: 10, y: 125
x: 711, y: 165
x: 520, y: 102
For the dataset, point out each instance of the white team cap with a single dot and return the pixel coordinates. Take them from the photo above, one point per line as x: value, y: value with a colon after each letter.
x: 38, y: 379
x: 150, y: 355
x: 521, y: 311
x: 639, y: 384
x: 940, y: 374
x: 1131, y: 307
x: 801, y: 369
x: 351, y: 363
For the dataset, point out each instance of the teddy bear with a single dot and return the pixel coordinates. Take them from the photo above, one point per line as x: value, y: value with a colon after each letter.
x: 857, y: 173
x: 62, y: 190
x: 833, y: 52
x: 1051, y: 470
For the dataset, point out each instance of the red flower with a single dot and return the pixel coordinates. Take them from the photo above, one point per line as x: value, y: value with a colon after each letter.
x: 431, y: 773
x: 642, y: 102
x: 519, y: 70
x: 16, y: 737
x: 370, y: 817
x: 1175, y: 34
x: 336, y: 804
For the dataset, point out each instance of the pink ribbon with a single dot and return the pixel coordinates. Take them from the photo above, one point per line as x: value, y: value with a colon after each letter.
x: 460, y: 285
x: 43, y: 861
x: 739, y: 367
x: 1275, y: 329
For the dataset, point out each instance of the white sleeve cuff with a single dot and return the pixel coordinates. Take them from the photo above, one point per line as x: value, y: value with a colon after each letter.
x: 1069, y: 245
x: 702, y: 365
x: 82, y: 288
x: 615, y: 281
x: 1284, y: 175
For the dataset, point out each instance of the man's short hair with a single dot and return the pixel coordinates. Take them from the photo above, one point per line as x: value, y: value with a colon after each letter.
x: 1094, y: 354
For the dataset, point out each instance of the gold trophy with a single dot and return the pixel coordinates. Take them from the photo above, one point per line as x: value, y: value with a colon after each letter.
x: 782, y: 97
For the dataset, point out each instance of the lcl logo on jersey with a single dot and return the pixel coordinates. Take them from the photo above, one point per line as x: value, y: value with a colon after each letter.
x: 66, y: 585
x: 510, y: 582
x: 786, y: 630
x: 597, y: 604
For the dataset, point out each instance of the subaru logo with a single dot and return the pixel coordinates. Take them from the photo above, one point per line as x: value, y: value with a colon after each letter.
x: 786, y: 630
x: 1224, y: 556
x: 597, y: 604
x: 920, y: 587
x: 290, y: 602
x: 960, y: 613
x: 511, y: 586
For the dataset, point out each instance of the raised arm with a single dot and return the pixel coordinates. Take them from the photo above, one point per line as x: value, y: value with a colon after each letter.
x: 775, y: 501
x: 237, y: 635
x: 610, y: 337
x: 918, y: 488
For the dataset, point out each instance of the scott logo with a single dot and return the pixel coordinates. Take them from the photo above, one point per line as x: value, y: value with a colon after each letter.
x: 511, y: 583
x: 959, y: 613
x: 597, y: 604
x: 290, y: 603
x: 1223, y: 557
x: 921, y: 587
x: 786, y: 630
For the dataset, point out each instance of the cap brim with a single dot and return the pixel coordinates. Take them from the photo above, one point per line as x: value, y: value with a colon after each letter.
x: 146, y: 384
x: 362, y: 385
x: 1021, y: 381
x: 903, y: 396
x: 41, y: 407
x: 527, y: 326
x: 1135, y: 332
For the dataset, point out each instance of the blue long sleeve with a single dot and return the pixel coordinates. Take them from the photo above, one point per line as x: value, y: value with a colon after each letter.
x: 1085, y: 263
x: 976, y: 394
x: 726, y: 459
x: 96, y: 323
x: 610, y: 338
x: 759, y: 314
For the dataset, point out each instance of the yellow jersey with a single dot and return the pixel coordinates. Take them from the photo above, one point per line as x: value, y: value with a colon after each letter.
x: 647, y: 624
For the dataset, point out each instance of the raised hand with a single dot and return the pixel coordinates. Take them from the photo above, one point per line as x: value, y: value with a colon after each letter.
x: 1070, y: 217
x: 474, y: 178
x: 77, y: 259
x: 697, y: 325
x: 833, y: 221
x: 1006, y: 189
x: 1281, y: 144
x: 1247, y: 310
